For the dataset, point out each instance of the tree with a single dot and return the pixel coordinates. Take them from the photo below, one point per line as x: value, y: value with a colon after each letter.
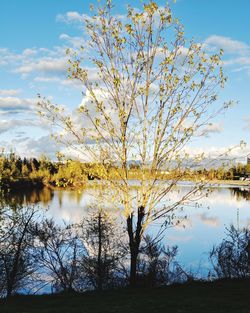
x: 230, y: 258
x: 158, y: 265
x: 58, y: 252
x: 152, y: 92
x: 17, y: 263
x: 104, y: 250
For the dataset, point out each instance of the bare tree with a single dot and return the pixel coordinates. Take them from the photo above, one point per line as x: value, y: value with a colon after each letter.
x: 104, y: 250
x: 157, y: 265
x: 17, y: 264
x: 230, y: 257
x: 58, y: 252
x: 152, y: 92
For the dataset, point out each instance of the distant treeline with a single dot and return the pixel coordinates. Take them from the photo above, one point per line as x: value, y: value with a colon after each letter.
x: 224, y: 173
x: 16, y: 172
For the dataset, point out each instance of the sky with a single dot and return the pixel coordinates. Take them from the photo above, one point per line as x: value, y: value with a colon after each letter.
x: 35, y: 34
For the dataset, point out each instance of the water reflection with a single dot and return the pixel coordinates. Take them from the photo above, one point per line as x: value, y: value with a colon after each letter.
x: 74, y: 196
x: 203, y: 227
x: 212, y: 221
x: 45, y: 195
x: 41, y: 196
x: 241, y: 193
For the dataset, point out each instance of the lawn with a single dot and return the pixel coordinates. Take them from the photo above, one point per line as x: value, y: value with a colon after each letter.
x: 217, y: 297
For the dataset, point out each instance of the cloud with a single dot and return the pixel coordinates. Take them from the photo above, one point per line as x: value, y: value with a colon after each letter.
x: 10, y: 104
x: 9, y: 125
x: 29, y: 52
x: 212, y: 128
x: 43, y: 65
x: 3, y: 62
x: 75, y: 42
x: 242, y: 69
x: 36, y: 146
x: 239, y: 61
x: 64, y: 81
x: 36, y: 60
x: 228, y: 45
x: 8, y: 57
x: 46, y: 65
x: 247, y: 123
x: 76, y: 17
x: 46, y: 79
x: 237, y: 53
x: 209, y: 220
x: 9, y: 92
x: 214, y: 156
x: 59, y: 80
x: 71, y: 17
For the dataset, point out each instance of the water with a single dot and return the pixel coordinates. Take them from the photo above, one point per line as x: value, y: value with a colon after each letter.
x: 195, y: 236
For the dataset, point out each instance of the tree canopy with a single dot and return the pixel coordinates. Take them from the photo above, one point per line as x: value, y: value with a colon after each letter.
x: 151, y: 93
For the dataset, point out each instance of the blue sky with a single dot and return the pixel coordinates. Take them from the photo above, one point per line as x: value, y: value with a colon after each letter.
x: 35, y: 34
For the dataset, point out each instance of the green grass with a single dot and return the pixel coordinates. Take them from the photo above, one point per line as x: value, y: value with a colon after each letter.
x: 218, y: 297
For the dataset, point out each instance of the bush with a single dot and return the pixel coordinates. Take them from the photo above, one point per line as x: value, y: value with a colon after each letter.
x: 230, y: 258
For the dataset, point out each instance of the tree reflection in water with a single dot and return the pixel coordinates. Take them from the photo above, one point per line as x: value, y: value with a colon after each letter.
x: 241, y: 193
x: 28, y: 196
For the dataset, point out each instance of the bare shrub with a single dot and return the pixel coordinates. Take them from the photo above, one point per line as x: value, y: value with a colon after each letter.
x: 17, y: 263
x: 58, y: 252
x: 230, y: 258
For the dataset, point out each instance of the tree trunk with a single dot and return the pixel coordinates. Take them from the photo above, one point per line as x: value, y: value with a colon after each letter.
x: 134, y: 243
x: 99, y: 265
x: 133, y: 268
x: 9, y: 291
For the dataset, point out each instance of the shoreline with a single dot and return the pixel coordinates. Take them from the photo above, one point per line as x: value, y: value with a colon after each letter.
x: 237, y: 183
x: 30, y: 184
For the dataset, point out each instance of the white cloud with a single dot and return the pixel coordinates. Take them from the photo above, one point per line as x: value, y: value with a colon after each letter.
x: 36, y: 146
x: 242, y: 68
x: 212, y: 128
x: 46, y: 79
x: 75, y: 42
x: 9, y: 125
x: 71, y: 17
x: 10, y: 104
x: 247, y: 123
x: 3, y: 62
x: 36, y: 60
x: 41, y: 65
x: 228, y: 44
x: 238, y: 61
x: 58, y: 80
x: 29, y: 52
x: 209, y: 220
x: 78, y: 18
x: 237, y: 53
x: 219, y: 154
x: 64, y: 81
x: 9, y: 92
x: 50, y: 65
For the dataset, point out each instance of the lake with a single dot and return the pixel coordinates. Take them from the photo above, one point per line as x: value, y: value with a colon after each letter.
x: 203, y: 227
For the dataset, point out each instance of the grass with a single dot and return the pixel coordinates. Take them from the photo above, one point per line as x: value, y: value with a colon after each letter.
x: 216, y: 297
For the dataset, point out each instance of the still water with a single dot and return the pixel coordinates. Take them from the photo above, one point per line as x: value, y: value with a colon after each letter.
x: 203, y: 227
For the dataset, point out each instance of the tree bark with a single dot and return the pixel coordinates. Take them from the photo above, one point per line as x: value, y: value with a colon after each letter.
x: 133, y: 269
x: 134, y: 243
x: 99, y: 265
